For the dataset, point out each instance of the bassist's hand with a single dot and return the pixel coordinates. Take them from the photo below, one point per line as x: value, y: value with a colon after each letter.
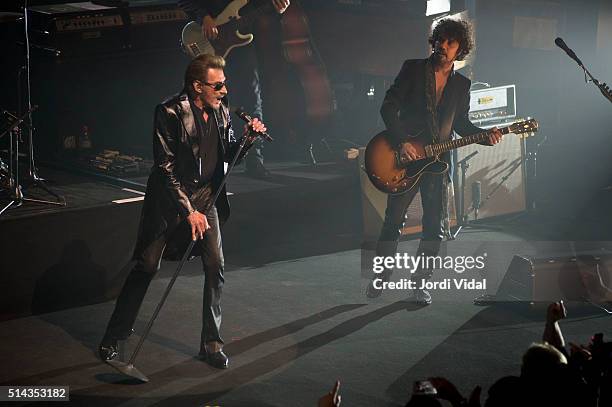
x: 408, y: 151
x: 209, y: 28
x: 280, y: 5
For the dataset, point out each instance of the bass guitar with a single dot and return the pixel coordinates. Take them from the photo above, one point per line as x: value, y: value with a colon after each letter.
x: 231, y: 24
x: 393, y: 173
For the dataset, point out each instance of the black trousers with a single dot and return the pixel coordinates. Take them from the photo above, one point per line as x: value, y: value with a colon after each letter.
x: 432, y: 188
x: 147, y: 264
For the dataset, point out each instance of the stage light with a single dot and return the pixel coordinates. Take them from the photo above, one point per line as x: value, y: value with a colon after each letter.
x: 437, y: 7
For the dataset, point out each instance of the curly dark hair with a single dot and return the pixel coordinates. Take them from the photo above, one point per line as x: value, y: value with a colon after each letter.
x: 458, y: 30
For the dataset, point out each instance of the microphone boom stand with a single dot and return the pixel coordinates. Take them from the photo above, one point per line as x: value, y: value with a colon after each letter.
x: 16, y: 197
x: 31, y: 176
x: 462, y: 216
x: 603, y: 88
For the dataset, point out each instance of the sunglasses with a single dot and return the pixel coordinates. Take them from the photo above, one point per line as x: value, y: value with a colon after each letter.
x: 216, y: 86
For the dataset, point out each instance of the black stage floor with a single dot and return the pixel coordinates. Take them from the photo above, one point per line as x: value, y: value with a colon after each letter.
x: 291, y: 329
x: 295, y: 315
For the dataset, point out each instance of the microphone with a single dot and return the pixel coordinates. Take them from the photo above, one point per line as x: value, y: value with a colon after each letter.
x: 561, y: 44
x: 244, y: 116
x: 476, y: 195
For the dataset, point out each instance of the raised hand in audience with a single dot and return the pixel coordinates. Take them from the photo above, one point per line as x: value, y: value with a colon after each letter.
x: 333, y: 398
x: 447, y: 391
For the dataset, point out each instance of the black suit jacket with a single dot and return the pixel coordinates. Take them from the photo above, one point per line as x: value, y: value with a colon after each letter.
x: 197, y: 9
x: 404, y: 109
x: 174, y: 183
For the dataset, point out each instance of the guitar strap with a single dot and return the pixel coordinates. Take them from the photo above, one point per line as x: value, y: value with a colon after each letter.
x: 434, y: 130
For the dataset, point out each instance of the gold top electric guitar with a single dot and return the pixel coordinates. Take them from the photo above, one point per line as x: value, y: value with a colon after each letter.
x: 392, y: 173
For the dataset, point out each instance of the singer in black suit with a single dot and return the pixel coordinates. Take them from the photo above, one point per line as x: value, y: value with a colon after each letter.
x: 192, y: 139
x: 427, y: 96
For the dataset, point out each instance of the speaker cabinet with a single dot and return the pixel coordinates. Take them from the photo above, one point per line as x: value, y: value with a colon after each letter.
x: 500, y: 171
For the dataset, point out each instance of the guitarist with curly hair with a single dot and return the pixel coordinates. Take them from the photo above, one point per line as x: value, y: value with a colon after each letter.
x: 427, y: 97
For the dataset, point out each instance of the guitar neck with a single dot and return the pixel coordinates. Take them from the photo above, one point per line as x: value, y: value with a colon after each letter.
x: 449, y: 145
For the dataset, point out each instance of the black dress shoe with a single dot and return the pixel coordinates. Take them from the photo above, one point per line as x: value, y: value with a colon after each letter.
x: 108, y: 350
x: 218, y: 360
x: 373, y: 292
x: 422, y: 297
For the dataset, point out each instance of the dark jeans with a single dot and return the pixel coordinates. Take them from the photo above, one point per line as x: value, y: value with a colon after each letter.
x: 147, y: 265
x: 432, y: 197
x: 244, y: 86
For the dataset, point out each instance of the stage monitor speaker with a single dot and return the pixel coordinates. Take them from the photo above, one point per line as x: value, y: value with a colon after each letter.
x: 548, y: 279
x: 500, y: 171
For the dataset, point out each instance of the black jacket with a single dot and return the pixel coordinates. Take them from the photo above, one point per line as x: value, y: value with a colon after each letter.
x: 174, y: 182
x: 197, y: 9
x: 405, y: 112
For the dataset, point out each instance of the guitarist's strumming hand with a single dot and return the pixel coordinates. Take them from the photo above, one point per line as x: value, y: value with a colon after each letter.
x: 209, y: 28
x: 495, y: 137
x: 280, y: 5
x: 409, y: 152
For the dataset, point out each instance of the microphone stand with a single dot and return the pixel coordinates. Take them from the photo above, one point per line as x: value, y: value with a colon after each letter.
x: 31, y: 176
x: 128, y: 368
x: 462, y: 216
x: 16, y: 197
x: 603, y: 88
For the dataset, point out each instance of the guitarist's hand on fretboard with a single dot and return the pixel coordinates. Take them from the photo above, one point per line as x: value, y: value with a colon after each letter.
x: 495, y: 137
x: 209, y: 28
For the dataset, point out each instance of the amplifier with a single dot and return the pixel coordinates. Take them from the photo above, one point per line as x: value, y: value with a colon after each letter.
x: 404, y: 8
x: 156, y: 25
x: 492, y: 104
x: 81, y: 29
x: 77, y: 28
x: 501, y: 173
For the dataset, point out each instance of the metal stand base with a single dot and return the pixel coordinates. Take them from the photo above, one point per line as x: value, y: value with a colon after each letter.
x: 468, y: 225
x: 40, y: 183
x: 128, y: 369
x: 12, y: 204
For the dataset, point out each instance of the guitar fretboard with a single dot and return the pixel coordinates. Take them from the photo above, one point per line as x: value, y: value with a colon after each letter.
x: 449, y: 145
